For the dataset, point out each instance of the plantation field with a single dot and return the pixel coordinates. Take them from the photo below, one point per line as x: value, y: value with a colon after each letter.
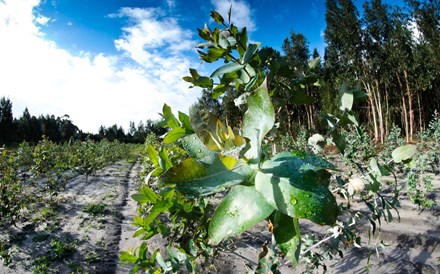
x: 84, y: 227
x: 79, y: 232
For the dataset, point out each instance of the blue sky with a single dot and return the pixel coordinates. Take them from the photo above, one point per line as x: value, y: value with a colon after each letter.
x: 115, y: 61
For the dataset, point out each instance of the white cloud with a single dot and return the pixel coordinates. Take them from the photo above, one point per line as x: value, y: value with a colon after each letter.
x: 94, y: 89
x: 241, y: 15
x: 414, y: 28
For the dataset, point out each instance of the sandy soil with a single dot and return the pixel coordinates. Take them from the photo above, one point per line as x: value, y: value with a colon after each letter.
x: 414, y: 242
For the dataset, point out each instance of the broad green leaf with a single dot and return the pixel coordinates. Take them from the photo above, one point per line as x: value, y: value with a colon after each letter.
x: 153, y: 155
x: 403, y: 153
x: 149, y: 193
x: 294, y: 163
x: 258, y: 121
x: 140, y: 198
x: 287, y: 236
x: 226, y: 69
x: 184, y: 119
x: 195, y: 148
x: 250, y: 52
x: 164, y: 161
x: 219, y: 90
x: 156, y: 210
x: 240, y: 210
x: 374, y: 166
x: 174, y: 135
x: 203, y: 82
x: 203, y: 124
x: 217, y: 17
x: 194, y: 73
x: 213, y: 54
x: 347, y: 99
x: 243, y: 39
x: 212, y: 174
x: 303, y: 199
x: 204, y: 34
x: 223, y: 41
x: 127, y: 257
x: 170, y: 120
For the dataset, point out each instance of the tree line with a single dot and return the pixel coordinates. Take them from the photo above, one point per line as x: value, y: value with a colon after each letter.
x: 391, y: 52
x: 33, y: 129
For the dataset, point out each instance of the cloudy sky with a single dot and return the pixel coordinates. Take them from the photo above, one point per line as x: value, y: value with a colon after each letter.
x: 115, y: 61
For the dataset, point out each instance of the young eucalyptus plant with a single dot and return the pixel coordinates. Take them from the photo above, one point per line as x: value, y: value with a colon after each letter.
x: 221, y: 159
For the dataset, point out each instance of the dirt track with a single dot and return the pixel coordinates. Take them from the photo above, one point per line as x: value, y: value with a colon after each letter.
x: 414, y: 242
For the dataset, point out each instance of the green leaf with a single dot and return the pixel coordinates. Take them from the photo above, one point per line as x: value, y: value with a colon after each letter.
x: 149, y: 193
x: 240, y: 210
x: 217, y: 17
x: 140, y: 198
x: 170, y: 120
x: 258, y: 121
x: 184, y: 119
x: 203, y: 82
x: 347, y: 99
x: 195, y: 148
x: 226, y: 69
x: 289, y: 164
x: 214, y: 54
x: 212, y: 174
x: 403, y: 153
x: 204, y: 34
x: 127, y: 257
x: 250, y: 52
x: 156, y: 210
x: 298, y: 198
x: 287, y: 236
x: 164, y: 161
x: 153, y: 155
x: 219, y: 90
x: 174, y: 135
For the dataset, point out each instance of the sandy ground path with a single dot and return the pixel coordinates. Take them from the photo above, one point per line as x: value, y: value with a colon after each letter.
x: 127, y: 242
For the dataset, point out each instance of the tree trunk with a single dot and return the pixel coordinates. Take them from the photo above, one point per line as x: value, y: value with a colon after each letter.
x: 405, y: 112
x: 411, y: 111
x: 373, y: 110
x: 379, y: 111
x: 421, y: 120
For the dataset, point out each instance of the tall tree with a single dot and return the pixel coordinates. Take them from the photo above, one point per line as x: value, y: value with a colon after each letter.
x: 6, y: 120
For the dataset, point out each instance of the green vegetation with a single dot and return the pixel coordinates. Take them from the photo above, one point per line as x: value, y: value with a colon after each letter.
x: 202, y: 159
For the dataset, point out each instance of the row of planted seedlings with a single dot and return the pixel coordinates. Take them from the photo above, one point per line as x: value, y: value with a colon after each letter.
x: 32, y: 176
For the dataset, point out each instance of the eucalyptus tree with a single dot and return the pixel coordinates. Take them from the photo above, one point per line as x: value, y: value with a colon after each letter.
x: 6, y: 120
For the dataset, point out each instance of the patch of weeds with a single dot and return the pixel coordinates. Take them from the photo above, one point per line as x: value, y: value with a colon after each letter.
x: 61, y: 250
x: 93, y: 257
x: 95, y: 209
x: 111, y: 196
x: 40, y: 238
x: 53, y: 226
x: 101, y: 243
x: 44, y: 215
x: 41, y: 265
x: 75, y: 267
x: 5, y: 256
